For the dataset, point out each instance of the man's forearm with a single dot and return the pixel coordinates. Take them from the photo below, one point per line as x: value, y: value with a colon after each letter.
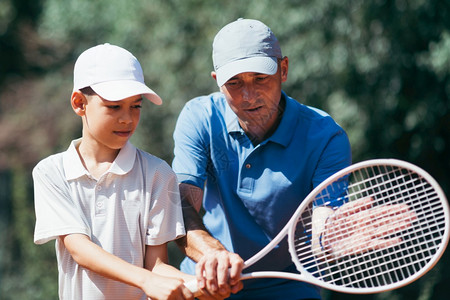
x: 198, y: 240
x: 197, y: 243
x: 217, y: 269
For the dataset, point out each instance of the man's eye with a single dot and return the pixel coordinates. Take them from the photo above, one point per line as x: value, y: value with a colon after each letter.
x: 261, y: 78
x: 137, y: 106
x: 232, y: 83
x: 114, y: 106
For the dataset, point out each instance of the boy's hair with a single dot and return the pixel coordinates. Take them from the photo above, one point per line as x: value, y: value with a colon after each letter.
x: 88, y: 91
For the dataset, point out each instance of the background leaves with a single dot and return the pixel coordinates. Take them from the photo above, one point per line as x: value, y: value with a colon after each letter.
x: 380, y: 68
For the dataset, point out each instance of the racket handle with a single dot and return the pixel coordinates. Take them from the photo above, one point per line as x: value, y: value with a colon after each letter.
x: 192, y: 286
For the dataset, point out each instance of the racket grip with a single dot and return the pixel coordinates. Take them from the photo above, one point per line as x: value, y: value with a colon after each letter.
x: 192, y: 286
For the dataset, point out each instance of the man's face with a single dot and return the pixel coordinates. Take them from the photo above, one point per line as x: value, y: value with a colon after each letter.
x: 255, y: 98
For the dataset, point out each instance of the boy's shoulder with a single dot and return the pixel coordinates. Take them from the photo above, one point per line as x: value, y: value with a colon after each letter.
x: 152, y: 162
x: 54, y: 161
x: 50, y: 170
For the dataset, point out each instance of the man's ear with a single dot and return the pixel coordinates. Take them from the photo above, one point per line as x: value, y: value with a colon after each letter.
x: 284, y: 68
x: 214, y: 76
x: 78, y: 102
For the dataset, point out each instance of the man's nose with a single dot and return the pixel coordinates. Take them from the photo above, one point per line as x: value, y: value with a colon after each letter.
x: 248, y: 92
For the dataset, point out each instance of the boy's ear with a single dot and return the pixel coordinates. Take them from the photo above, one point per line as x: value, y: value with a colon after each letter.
x: 78, y: 102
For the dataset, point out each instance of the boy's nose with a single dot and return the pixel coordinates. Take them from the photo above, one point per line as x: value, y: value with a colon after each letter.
x: 126, y: 118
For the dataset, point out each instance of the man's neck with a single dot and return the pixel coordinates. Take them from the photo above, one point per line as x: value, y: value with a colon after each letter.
x: 257, y: 137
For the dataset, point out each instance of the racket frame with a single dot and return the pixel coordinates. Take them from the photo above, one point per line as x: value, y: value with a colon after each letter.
x: 289, y: 231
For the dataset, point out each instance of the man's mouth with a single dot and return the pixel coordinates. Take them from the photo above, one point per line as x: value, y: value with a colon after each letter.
x: 253, y: 109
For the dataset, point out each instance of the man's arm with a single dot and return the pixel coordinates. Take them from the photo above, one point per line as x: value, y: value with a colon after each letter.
x: 92, y: 257
x: 220, y: 268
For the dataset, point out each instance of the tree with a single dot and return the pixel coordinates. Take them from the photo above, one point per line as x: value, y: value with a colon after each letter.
x: 380, y: 68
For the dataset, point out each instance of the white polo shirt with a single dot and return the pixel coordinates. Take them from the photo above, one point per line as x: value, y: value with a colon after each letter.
x: 135, y: 203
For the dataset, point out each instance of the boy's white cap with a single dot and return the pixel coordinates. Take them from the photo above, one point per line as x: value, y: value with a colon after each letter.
x: 112, y: 72
x: 242, y: 46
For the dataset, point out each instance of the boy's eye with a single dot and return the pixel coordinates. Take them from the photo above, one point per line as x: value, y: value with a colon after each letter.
x: 114, y: 106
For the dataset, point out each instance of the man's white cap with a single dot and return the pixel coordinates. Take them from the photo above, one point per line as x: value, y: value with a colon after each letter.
x: 112, y: 72
x: 242, y: 46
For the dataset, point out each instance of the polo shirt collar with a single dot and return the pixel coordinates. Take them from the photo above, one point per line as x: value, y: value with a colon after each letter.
x: 283, y: 135
x: 232, y: 121
x: 124, y: 161
x: 73, y: 167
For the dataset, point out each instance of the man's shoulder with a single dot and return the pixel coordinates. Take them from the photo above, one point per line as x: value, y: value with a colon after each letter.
x: 201, y: 111
x: 309, y: 113
x: 305, y: 110
x: 213, y: 100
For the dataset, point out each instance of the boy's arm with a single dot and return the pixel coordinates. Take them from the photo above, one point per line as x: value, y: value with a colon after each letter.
x: 157, y: 261
x: 220, y: 268
x: 92, y: 257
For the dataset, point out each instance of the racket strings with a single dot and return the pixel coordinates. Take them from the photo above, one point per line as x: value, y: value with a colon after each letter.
x: 377, y: 267
x: 334, y: 272
x: 430, y: 209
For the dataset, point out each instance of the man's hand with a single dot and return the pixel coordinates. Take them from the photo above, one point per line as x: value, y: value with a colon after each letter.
x: 218, y: 274
x: 218, y: 270
x: 358, y: 227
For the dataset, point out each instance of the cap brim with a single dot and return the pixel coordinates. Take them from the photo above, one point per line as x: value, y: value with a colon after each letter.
x: 121, y: 89
x: 264, y: 65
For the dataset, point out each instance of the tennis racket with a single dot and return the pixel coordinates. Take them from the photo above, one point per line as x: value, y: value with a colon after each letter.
x: 396, y: 229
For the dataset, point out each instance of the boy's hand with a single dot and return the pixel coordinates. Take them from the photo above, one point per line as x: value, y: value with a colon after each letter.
x: 166, y: 288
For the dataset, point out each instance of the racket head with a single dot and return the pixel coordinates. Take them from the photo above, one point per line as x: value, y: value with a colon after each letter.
x: 387, y: 182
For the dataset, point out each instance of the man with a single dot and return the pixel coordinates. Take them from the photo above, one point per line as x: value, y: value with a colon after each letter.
x: 247, y: 156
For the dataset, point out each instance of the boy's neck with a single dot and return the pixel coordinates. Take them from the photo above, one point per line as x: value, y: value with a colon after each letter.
x: 96, y: 159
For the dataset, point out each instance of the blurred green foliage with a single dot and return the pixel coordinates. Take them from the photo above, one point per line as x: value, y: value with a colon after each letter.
x: 381, y: 68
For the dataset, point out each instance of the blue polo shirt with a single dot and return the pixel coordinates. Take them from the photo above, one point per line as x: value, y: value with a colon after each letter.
x: 250, y: 192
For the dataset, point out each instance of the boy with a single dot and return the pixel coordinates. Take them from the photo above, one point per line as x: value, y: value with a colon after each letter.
x: 111, y: 207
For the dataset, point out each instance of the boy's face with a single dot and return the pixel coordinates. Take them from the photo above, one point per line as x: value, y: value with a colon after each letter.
x: 111, y: 123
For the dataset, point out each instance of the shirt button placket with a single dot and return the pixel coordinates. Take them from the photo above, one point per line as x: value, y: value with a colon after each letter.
x: 246, y: 183
x: 99, y: 203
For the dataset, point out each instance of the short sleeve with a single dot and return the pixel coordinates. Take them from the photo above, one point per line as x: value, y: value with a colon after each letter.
x: 165, y: 215
x: 335, y: 157
x: 191, y: 145
x: 56, y: 212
